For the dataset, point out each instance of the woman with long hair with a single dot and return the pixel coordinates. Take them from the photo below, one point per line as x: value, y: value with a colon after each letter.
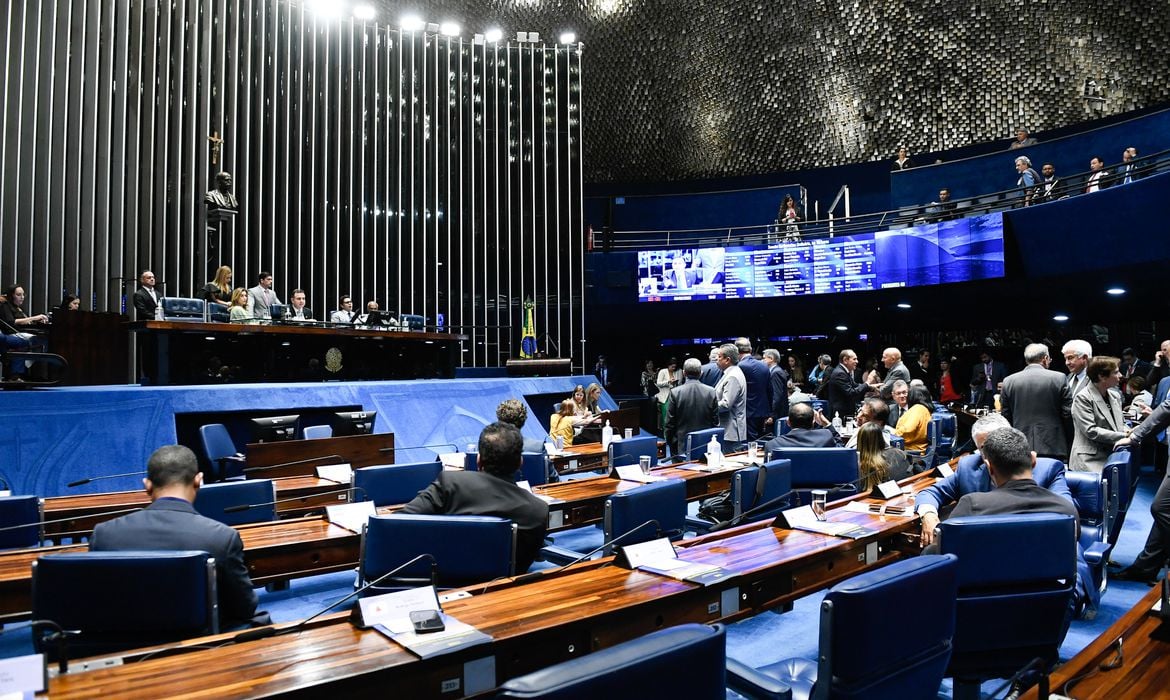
x: 878, y: 462
x: 795, y: 372
x: 914, y: 420
x: 219, y: 289
x: 561, y: 424
x: 946, y: 383
x: 239, y: 308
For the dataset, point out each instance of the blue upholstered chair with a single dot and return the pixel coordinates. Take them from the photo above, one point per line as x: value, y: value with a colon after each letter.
x: 780, y: 427
x: 686, y: 661
x: 1017, y: 575
x: 534, y: 468
x: 1120, y: 473
x: 749, y: 490
x: 467, y: 549
x: 412, y: 322
x: 663, y: 501
x: 214, y: 501
x: 946, y: 431
x: 18, y: 511
x: 220, y: 452
x: 1090, y: 492
x: 220, y: 313
x: 857, y: 658
x: 317, y: 432
x: 832, y: 468
x: 391, y: 484
x: 123, y: 600
x: 623, y: 452
x: 698, y: 440
x: 182, y: 309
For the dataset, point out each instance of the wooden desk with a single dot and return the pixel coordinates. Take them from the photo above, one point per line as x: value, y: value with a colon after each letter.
x: 589, y: 457
x: 533, y: 625
x: 1144, y: 671
x: 262, y: 458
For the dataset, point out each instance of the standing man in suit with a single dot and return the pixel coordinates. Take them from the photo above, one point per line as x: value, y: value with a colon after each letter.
x: 1036, y: 400
x: 895, y: 371
x: 731, y: 395
x: 807, y: 428
x: 691, y: 407
x: 711, y: 374
x: 261, y: 297
x: 1098, y: 176
x: 1132, y: 366
x: 993, y: 372
x: 844, y: 389
x: 1160, y: 368
x: 1153, y: 556
x: 1050, y: 188
x: 490, y: 491
x: 1077, y: 354
x: 146, y: 299
x: 171, y: 522
x: 778, y: 382
x: 759, y: 389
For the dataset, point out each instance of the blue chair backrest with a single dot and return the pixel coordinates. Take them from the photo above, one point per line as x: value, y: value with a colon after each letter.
x: 898, y: 441
x: 821, y: 405
x: 948, y: 426
x: 1017, y: 574
x: 217, y: 444
x: 781, y: 427
x: 128, y: 599
x: 413, y: 322
x: 856, y: 656
x: 391, y: 484
x: 467, y: 549
x: 686, y: 661
x: 317, y: 432
x: 1117, y: 472
x: 623, y: 452
x: 534, y: 468
x: 183, y: 309
x: 820, y: 466
x: 746, y: 483
x: 1090, y: 492
x: 220, y: 313
x: 213, y: 499
x: 698, y: 440
x: 20, y: 510
x: 471, y: 461
x: 664, y: 501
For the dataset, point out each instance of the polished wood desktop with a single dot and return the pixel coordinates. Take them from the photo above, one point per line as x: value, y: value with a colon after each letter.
x: 268, y: 460
x: 553, y: 618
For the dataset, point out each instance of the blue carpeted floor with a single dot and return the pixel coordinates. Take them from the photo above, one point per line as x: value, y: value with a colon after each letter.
x: 760, y: 640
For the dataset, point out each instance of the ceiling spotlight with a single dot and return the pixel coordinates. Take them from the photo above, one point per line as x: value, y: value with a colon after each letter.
x: 363, y: 12
x: 903, y: 305
x: 324, y: 8
x: 449, y: 29
x: 842, y: 328
x: 568, y: 38
x: 1115, y: 291
x: 1060, y: 317
x: 411, y: 23
x: 493, y: 35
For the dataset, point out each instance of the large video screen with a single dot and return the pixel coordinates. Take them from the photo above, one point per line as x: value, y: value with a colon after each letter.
x: 950, y: 251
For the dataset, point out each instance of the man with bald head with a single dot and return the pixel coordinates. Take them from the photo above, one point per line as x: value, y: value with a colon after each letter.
x: 692, y: 406
x: 895, y: 371
x: 1036, y: 400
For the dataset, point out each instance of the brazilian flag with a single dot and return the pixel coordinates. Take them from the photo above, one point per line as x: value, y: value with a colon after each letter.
x: 528, y: 334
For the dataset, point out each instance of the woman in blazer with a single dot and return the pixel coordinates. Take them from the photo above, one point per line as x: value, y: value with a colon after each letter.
x: 1096, y: 415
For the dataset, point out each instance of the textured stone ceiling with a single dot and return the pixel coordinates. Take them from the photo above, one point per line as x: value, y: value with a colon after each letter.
x: 678, y: 89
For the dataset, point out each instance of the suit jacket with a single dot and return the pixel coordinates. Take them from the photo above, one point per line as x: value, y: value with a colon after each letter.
x: 144, y: 305
x: 1036, y: 401
x: 731, y: 393
x: 778, y: 380
x: 998, y: 372
x: 172, y: 523
x: 256, y: 303
x: 1097, y: 424
x: 1016, y: 496
x: 1141, y: 368
x: 692, y: 407
x: 759, y: 388
x: 896, y: 372
x: 971, y: 476
x: 711, y: 374
x: 306, y: 313
x: 844, y: 393
x: 803, y: 437
x: 481, y: 493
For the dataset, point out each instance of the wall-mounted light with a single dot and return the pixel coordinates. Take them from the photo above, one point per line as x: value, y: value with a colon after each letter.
x: 364, y: 12
x: 493, y: 35
x: 568, y: 38
x: 411, y: 23
x: 449, y: 29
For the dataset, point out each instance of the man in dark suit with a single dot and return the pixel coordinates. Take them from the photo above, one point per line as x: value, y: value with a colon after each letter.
x: 1036, y: 401
x: 808, y: 428
x: 778, y: 382
x: 1131, y: 366
x: 171, y: 522
x: 490, y: 491
x: 692, y: 407
x: 711, y: 374
x: 759, y: 389
x: 993, y: 372
x: 844, y: 389
x: 146, y: 299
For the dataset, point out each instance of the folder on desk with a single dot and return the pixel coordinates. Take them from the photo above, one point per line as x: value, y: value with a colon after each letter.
x: 456, y: 635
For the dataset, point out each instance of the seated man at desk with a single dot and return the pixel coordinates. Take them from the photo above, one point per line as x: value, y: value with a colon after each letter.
x: 297, y: 311
x: 376, y: 318
x: 490, y: 491
x: 808, y: 428
x: 873, y: 410
x: 170, y: 522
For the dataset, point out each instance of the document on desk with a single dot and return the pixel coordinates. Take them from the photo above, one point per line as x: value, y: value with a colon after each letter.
x: 658, y: 557
x: 727, y: 465
x: 803, y: 518
x: 547, y: 499
x: 902, y: 511
x: 456, y: 635
x: 633, y: 472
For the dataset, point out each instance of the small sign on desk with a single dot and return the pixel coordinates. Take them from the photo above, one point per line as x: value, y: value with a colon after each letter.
x: 341, y: 473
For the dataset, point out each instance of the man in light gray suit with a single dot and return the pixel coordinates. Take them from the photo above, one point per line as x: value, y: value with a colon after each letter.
x: 261, y: 297
x: 895, y: 370
x: 692, y: 407
x: 1036, y: 401
x: 731, y: 393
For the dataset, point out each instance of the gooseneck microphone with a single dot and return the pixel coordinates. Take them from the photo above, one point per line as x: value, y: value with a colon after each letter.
x: 253, y: 470
x: 420, y: 447
x: 608, y: 543
x: 88, y: 479
x: 39, y: 523
x: 248, y: 506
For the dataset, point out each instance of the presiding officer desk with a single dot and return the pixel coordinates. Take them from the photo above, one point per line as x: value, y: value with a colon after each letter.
x: 533, y: 624
x: 299, y: 547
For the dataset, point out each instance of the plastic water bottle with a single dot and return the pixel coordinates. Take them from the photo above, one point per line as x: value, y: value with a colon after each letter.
x: 714, y: 453
x: 606, y: 436
x: 836, y: 421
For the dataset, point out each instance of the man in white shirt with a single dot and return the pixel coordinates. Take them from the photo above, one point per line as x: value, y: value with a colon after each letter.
x: 344, y: 313
x: 261, y: 297
x: 1097, y: 177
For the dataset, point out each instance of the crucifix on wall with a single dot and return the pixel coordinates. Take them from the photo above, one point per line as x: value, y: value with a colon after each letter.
x: 216, y: 144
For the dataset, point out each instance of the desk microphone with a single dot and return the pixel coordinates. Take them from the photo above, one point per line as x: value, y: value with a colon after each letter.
x: 239, y: 508
x: 40, y: 523
x: 771, y: 503
x: 420, y: 447
x: 60, y: 637
x: 83, y: 482
x: 249, y: 470
x: 608, y: 543
x: 270, y: 631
